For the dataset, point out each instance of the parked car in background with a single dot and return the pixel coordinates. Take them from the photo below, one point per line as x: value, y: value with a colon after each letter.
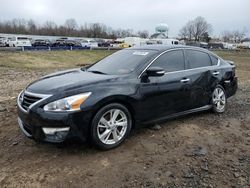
x: 131, y: 87
x: 88, y: 43
x: 229, y: 46
x: 197, y: 44
x: 102, y: 43
x: 40, y: 42
x: 7, y: 41
x: 59, y: 42
x: 72, y: 43
x: 215, y: 45
x: 93, y: 43
x: 3, y: 41
x: 19, y: 41
x: 84, y: 43
x: 119, y: 44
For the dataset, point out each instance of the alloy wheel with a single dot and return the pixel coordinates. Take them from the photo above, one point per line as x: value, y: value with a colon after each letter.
x: 219, y: 99
x: 112, y: 126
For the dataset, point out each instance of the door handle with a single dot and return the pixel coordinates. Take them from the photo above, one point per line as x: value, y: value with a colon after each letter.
x: 185, y: 80
x: 216, y: 73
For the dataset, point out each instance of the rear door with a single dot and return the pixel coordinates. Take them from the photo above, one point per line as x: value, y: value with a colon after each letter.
x: 202, y: 75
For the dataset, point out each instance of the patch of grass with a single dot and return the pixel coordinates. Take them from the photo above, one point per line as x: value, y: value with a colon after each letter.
x: 242, y: 60
x: 53, y: 60
x: 50, y: 59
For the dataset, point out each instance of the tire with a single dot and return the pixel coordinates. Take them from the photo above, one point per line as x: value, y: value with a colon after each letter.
x: 107, y: 132
x: 219, y: 99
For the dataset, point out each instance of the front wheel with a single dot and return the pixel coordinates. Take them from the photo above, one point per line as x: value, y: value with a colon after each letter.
x: 110, y: 126
x: 219, y: 99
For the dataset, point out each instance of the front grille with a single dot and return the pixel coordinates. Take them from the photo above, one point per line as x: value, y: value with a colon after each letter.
x: 28, y: 100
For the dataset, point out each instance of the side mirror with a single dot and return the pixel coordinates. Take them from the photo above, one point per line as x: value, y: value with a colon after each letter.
x: 155, y: 71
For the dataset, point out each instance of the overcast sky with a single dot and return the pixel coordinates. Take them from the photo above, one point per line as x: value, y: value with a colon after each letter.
x: 133, y: 14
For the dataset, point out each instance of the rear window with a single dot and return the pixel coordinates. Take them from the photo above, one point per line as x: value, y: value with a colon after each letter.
x: 214, y: 60
x: 197, y: 59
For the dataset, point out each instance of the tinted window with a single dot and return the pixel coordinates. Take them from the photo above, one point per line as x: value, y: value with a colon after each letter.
x: 22, y: 38
x: 214, y: 60
x: 197, y: 59
x: 123, y: 61
x: 171, y: 61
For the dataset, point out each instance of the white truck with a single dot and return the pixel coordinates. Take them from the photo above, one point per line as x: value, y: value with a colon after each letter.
x: 19, y: 41
x: 170, y: 41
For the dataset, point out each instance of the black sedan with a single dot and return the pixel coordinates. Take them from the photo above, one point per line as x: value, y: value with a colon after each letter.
x: 40, y: 42
x: 132, y: 87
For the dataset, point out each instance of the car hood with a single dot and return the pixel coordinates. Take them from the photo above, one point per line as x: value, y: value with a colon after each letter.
x: 67, y: 80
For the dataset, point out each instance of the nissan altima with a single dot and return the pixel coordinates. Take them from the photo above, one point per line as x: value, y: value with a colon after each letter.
x: 103, y: 102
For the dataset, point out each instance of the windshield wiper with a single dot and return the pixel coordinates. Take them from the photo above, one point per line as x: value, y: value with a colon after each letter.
x: 96, y: 72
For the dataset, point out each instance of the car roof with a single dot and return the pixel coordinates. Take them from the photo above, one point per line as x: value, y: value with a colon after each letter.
x: 162, y: 47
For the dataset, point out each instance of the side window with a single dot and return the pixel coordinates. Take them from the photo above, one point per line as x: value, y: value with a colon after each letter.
x: 197, y: 59
x: 171, y: 61
x: 214, y: 60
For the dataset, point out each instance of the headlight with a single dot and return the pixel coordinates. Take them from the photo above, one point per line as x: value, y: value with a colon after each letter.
x: 20, y: 98
x: 71, y: 103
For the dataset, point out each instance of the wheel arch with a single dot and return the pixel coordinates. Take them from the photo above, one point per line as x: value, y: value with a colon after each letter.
x: 123, y: 100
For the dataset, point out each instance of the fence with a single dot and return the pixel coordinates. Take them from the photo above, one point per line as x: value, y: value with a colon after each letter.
x: 45, y: 48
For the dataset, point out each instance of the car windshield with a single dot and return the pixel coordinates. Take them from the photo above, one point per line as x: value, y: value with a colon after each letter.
x: 122, y: 62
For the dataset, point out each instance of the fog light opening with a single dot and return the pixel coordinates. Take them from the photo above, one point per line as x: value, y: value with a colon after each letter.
x: 55, y: 131
x: 56, y: 134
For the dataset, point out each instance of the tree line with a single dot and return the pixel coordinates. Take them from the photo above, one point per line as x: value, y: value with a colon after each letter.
x: 194, y: 30
x: 200, y: 30
x: 69, y: 28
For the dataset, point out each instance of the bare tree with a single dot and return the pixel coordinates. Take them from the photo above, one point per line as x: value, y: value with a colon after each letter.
x: 48, y: 28
x: 200, y: 27
x: 186, y: 31
x: 31, y: 26
x: 71, y: 24
x: 226, y: 36
x: 234, y: 36
x: 195, y: 29
x: 143, y: 34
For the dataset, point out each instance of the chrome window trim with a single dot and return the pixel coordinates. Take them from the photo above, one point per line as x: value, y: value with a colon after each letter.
x: 218, y: 64
x: 42, y: 96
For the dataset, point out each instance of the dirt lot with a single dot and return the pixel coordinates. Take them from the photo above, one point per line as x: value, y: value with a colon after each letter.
x: 199, y: 150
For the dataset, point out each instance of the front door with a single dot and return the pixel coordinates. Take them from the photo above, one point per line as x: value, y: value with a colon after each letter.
x: 174, y: 86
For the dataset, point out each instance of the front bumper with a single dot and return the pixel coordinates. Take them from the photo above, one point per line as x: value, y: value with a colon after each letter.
x: 54, y: 135
x: 53, y: 127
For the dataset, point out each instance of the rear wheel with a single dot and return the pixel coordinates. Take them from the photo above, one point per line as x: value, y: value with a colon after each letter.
x: 110, y: 126
x: 219, y: 99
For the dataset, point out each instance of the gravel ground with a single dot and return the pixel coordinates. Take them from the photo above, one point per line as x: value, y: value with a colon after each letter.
x: 199, y: 150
